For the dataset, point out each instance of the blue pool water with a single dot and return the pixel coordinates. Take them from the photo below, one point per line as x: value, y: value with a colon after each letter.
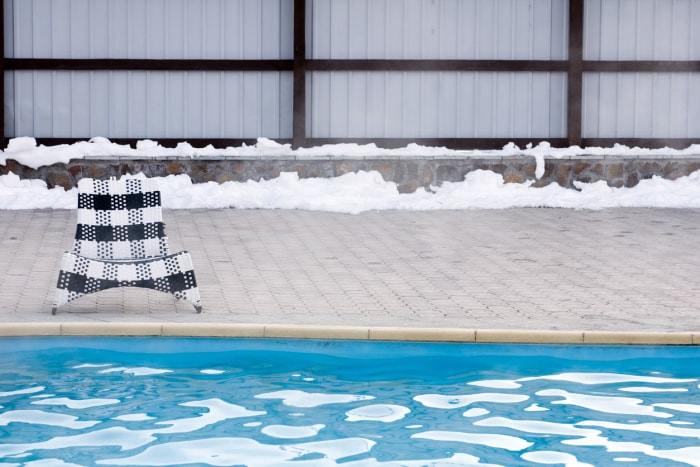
x: 261, y: 402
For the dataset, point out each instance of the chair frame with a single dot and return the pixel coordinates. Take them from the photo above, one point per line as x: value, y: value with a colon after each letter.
x: 120, y: 242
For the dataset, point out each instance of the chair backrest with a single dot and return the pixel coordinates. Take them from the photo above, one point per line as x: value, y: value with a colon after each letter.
x: 119, y: 219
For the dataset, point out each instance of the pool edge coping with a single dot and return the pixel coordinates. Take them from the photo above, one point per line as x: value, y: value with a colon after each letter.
x: 369, y: 333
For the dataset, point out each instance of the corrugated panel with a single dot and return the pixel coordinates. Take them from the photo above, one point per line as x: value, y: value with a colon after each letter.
x: 641, y: 30
x: 439, y: 29
x: 656, y: 105
x: 148, y: 104
x: 154, y: 29
x: 437, y: 104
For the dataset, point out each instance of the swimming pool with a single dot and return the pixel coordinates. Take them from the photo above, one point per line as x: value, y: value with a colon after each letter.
x: 82, y: 401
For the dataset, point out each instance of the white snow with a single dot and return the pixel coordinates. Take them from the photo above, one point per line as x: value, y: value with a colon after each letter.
x: 353, y: 192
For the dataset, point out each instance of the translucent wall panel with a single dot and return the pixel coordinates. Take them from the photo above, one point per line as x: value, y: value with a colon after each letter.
x: 439, y: 29
x: 437, y: 104
x: 142, y: 104
x: 648, y: 105
x: 641, y: 30
x: 155, y: 29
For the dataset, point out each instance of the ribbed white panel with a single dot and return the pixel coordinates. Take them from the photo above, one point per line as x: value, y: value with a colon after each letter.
x: 437, y: 104
x: 142, y: 104
x: 656, y: 105
x: 154, y: 29
x: 439, y: 29
x: 641, y: 30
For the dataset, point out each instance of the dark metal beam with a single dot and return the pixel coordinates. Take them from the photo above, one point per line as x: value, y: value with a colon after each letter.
x: 625, y: 66
x: 451, y: 143
x: 69, y: 64
x: 94, y: 64
x: 674, y: 143
x: 2, y: 75
x: 437, y: 65
x: 575, y: 72
x: 220, y: 143
x: 299, y: 86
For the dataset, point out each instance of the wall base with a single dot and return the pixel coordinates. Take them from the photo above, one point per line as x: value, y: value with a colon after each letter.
x: 407, y: 172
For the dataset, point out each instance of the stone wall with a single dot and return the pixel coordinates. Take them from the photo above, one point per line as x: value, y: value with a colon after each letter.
x: 407, y: 172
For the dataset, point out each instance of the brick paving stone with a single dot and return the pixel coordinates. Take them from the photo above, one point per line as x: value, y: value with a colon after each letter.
x: 609, y: 270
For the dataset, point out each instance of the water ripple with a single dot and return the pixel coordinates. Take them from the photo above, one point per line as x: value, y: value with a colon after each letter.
x: 259, y: 410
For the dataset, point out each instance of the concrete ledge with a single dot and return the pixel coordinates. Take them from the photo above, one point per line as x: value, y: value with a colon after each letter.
x: 422, y: 334
x: 529, y: 337
x: 30, y: 329
x: 317, y: 332
x: 111, y: 329
x: 500, y: 336
x: 213, y: 330
x: 636, y: 338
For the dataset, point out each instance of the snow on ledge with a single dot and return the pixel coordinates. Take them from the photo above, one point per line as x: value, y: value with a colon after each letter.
x: 26, y: 151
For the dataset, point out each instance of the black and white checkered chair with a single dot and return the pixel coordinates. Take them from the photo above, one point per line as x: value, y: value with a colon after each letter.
x: 120, y: 242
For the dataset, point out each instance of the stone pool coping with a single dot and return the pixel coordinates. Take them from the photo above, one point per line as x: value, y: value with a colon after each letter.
x: 348, y: 333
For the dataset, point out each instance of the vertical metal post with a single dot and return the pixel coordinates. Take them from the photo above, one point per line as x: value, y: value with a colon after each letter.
x: 575, y: 72
x: 299, y: 86
x: 2, y: 74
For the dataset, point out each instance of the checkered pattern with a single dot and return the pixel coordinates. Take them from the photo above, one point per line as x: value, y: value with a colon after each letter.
x: 120, y: 242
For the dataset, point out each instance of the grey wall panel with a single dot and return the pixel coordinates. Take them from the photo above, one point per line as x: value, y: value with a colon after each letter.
x: 154, y: 29
x: 148, y: 104
x: 348, y: 104
x: 437, y: 104
x: 656, y: 105
x: 641, y: 30
x: 439, y: 29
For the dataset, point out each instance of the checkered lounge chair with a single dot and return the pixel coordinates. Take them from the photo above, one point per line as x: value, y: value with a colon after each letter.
x: 120, y: 242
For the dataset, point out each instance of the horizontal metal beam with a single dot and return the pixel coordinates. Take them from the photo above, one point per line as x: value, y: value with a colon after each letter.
x: 641, y: 66
x: 164, y: 142
x: 388, y: 143
x: 146, y: 64
x: 72, y: 64
x: 436, y: 65
x: 674, y: 143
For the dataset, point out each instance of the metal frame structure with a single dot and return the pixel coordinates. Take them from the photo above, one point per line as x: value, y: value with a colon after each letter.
x: 300, y: 66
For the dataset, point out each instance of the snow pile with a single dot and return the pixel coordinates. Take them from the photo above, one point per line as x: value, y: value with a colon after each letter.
x: 354, y: 192
x: 366, y: 191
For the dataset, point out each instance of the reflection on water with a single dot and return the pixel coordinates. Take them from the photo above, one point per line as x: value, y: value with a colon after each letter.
x: 82, y: 407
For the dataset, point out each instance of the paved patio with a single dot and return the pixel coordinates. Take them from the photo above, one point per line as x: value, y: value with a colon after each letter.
x: 617, y: 270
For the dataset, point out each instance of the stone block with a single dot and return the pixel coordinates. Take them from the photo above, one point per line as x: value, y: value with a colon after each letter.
x: 448, y: 173
x: 344, y: 167
x: 238, y: 167
x: 500, y: 168
x: 62, y: 179
x: 97, y: 171
x: 513, y: 178
x: 385, y: 168
x: 581, y: 167
x: 614, y: 171
x: 631, y: 180
x: 529, y: 170
x: 561, y: 175
x: 407, y: 187
x: 176, y: 168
